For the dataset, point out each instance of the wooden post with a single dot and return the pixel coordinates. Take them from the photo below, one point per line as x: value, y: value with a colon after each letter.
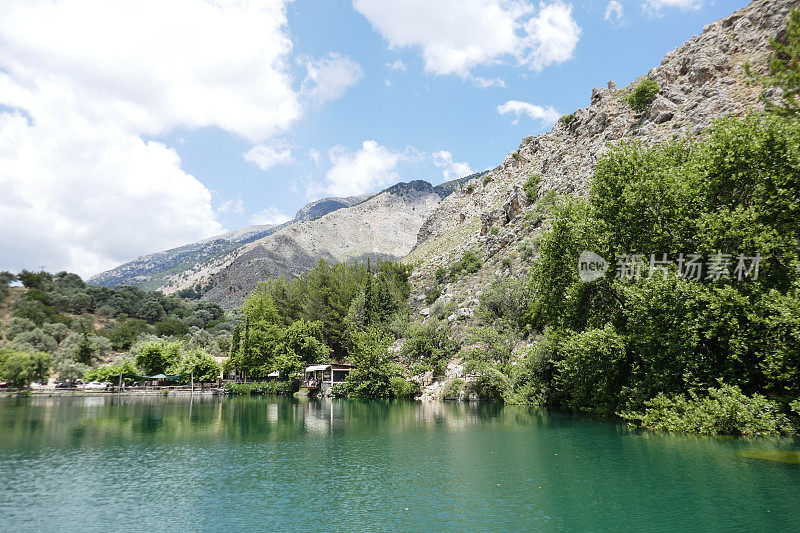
x: 192, y: 378
x: 119, y: 387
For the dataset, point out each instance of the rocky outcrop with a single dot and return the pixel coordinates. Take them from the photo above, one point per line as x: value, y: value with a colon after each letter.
x: 701, y: 80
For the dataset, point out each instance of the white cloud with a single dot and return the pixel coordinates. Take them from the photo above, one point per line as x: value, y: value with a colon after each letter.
x: 397, y: 65
x: 614, y: 12
x: 232, y: 206
x: 655, y: 6
x: 457, y: 35
x: 364, y: 170
x: 92, y: 199
x: 92, y: 79
x: 484, y: 83
x: 328, y: 78
x: 267, y: 156
x: 269, y: 215
x: 546, y: 115
x: 450, y: 169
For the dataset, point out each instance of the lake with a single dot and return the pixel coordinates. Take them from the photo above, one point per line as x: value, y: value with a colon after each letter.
x: 153, y: 463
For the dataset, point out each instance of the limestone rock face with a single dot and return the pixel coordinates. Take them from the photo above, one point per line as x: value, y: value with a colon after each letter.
x: 699, y: 81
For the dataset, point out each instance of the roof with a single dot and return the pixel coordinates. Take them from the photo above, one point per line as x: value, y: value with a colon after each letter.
x: 336, y: 366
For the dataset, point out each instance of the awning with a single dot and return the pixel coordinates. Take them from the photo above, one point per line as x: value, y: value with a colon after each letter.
x: 315, y: 368
x: 157, y: 376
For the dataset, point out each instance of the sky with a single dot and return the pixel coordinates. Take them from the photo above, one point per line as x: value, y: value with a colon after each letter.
x: 128, y: 127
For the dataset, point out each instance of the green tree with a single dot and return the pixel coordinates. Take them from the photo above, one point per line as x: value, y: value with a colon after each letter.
x: 22, y: 368
x: 374, y: 369
x: 784, y: 69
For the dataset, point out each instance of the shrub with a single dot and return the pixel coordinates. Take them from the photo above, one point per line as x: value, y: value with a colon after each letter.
x: 504, y: 300
x: 724, y: 411
x: 495, y: 231
x: 111, y: 372
x: 567, y: 119
x: 505, y: 263
x: 441, y: 274
x: 468, y: 264
x: 401, y: 388
x: 531, y: 186
x: 282, y: 388
x: 453, y: 389
x: 430, y: 344
x: 432, y: 294
x: 492, y: 386
x: 642, y: 95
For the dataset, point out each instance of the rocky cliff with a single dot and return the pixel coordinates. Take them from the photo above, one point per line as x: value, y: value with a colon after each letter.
x: 699, y: 81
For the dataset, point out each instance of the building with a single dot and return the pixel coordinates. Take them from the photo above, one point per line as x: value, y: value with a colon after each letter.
x: 321, y: 378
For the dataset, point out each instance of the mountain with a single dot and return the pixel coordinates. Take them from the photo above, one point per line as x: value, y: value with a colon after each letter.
x: 491, y: 215
x: 225, y: 268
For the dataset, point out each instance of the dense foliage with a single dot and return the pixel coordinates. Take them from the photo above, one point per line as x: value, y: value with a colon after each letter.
x: 618, y: 342
x: 332, y: 312
x: 82, y: 327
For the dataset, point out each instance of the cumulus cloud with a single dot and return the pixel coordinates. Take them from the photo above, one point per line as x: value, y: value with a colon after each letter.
x: 546, y: 115
x: 269, y: 215
x: 655, y: 6
x: 370, y: 167
x: 85, y: 83
x: 329, y: 77
x: 456, y: 35
x: 92, y: 198
x: 450, y: 169
x: 267, y: 156
x: 614, y: 12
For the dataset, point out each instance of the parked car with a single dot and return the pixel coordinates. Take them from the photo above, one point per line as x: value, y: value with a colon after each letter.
x: 64, y: 385
x: 95, y: 385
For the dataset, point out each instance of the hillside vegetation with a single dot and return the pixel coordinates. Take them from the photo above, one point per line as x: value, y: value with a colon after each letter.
x: 55, y: 323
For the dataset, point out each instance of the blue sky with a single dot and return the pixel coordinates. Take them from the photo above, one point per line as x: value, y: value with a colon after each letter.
x: 426, y: 111
x: 128, y: 131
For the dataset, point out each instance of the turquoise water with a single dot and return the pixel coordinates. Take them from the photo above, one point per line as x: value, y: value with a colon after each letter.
x: 90, y: 464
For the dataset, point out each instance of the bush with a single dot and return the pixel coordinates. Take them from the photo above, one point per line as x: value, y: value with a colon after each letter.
x: 453, y: 389
x: 724, y: 411
x: 492, y: 386
x: 468, y: 264
x: 432, y: 294
x: 401, y: 388
x: 504, y: 300
x: 441, y: 275
x: 531, y: 186
x: 282, y: 388
x: 429, y: 344
x: 642, y: 95
x: 567, y: 119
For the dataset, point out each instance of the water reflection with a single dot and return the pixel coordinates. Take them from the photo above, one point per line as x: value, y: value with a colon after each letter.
x: 269, y: 463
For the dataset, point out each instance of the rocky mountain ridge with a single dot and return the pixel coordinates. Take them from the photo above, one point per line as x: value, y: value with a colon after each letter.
x: 699, y: 81
x: 225, y: 268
